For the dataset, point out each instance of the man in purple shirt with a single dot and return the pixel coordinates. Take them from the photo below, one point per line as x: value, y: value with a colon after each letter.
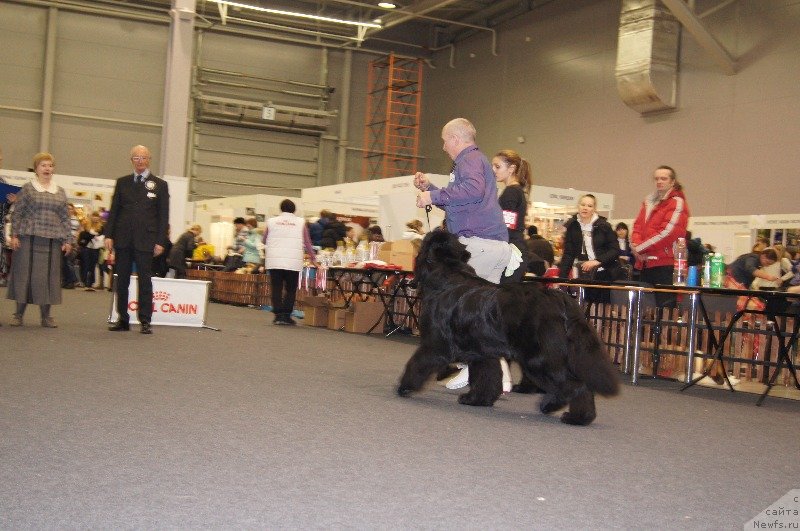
x: 470, y: 201
x: 471, y: 210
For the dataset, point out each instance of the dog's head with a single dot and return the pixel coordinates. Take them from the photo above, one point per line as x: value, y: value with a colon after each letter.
x: 440, y: 249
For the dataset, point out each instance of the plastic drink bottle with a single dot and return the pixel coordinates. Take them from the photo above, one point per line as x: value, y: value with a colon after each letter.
x: 717, y: 270
x: 707, y: 270
x: 680, y: 264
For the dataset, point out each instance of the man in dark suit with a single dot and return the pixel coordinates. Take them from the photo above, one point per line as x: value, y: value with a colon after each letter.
x: 137, y: 231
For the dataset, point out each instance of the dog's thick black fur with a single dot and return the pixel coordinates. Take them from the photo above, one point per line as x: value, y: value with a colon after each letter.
x: 468, y: 319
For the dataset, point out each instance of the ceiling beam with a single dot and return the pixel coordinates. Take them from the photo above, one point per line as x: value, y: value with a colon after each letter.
x: 704, y: 37
x: 491, y: 16
x: 501, y: 7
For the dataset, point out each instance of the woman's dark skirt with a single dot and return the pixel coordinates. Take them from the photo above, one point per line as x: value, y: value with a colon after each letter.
x: 36, y: 271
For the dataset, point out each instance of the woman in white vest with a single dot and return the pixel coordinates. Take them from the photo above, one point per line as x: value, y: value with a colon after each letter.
x: 285, y: 239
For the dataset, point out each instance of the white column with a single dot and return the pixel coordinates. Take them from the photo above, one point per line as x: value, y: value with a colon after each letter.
x: 177, y: 89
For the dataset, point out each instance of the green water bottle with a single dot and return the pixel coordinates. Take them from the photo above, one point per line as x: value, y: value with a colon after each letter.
x: 717, y: 270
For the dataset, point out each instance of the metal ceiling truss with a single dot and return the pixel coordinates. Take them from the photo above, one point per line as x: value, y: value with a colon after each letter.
x: 417, y: 28
x: 694, y: 25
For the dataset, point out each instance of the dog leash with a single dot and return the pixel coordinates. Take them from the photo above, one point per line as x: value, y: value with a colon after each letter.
x: 428, y: 209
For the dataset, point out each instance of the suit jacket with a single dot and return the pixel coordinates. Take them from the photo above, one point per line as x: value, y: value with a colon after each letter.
x: 139, y: 214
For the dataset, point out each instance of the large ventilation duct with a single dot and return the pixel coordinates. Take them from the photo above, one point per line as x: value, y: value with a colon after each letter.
x: 647, y: 56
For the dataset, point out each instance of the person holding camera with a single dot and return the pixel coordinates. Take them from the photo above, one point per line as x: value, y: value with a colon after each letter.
x: 590, y: 243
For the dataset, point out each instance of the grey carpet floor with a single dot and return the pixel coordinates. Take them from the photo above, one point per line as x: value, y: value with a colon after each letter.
x: 265, y: 427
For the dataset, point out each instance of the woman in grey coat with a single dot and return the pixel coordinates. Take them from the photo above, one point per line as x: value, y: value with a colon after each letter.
x: 40, y: 234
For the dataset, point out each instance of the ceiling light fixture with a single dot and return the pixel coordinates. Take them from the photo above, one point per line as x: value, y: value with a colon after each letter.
x: 295, y: 14
x: 387, y: 5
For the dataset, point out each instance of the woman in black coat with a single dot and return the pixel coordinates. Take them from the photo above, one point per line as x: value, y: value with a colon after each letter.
x: 591, y: 243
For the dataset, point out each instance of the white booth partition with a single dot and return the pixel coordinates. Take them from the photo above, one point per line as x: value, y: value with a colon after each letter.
x: 735, y: 235
x: 391, y: 201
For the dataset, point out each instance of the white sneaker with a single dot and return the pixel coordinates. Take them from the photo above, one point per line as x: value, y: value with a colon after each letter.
x: 506, y: 376
x: 459, y: 380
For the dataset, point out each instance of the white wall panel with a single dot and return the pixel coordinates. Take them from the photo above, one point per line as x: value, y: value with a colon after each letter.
x: 21, y: 58
x: 22, y: 37
x: 99, y: 149
x: 109, y: 67
x: 19, y: 139
x: 104, y: 68
x: 264, y: 59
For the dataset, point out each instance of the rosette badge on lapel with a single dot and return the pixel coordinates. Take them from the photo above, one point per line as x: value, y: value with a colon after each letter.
x: 150, y: 185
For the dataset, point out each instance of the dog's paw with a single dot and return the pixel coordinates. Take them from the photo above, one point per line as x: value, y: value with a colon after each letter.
x: 404, y: 392
x: 550, y: 404
x: 471, y: 399
x: 576, y: 420
x: 526, y: 388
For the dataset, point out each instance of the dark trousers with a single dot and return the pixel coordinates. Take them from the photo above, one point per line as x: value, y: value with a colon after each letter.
x: 284, y: 290
x: 179, y: 272
x: 599, y: 295
x: 89, y: 258
x: 659, y: 275
x: 125, y: 258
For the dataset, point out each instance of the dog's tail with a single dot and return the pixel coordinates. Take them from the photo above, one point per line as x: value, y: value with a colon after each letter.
x: 586, y: 356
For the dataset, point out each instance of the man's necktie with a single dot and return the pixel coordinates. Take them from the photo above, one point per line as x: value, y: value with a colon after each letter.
x: 138, y: 179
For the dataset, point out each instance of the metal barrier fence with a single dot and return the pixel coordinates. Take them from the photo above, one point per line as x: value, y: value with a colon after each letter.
x: 678, y: 341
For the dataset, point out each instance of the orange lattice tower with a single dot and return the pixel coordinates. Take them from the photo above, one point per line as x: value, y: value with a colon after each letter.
x: 391, y: 130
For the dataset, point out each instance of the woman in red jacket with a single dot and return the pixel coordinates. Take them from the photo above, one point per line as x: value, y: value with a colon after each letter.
x: 661, y: 221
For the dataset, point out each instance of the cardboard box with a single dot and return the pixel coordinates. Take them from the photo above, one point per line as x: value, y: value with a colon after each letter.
x: 362, y: 317
x: 400, y: 252
x: 315, y: 316
x: 336, y: 318
x: 315, y: 300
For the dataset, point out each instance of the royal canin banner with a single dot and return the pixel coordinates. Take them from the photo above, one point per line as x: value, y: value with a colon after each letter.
x: 176, y: 302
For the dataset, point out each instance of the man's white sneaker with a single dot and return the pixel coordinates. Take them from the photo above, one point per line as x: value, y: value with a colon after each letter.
x: 507, y: 384
x: 459, y: 380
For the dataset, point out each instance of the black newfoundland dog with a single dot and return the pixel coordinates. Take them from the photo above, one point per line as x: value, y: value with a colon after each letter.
x: 465, y: 318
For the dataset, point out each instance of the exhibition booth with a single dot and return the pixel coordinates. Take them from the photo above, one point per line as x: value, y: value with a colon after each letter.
x: 389, y: 203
